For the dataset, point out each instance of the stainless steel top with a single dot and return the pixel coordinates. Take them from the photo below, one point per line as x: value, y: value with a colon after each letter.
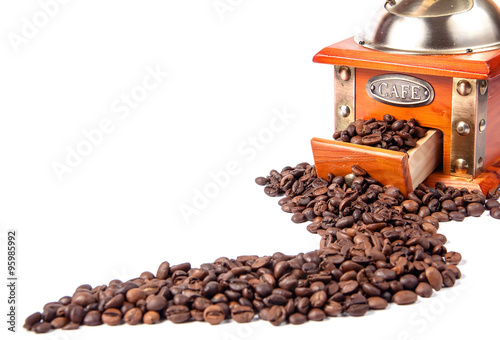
x: 434, y: 27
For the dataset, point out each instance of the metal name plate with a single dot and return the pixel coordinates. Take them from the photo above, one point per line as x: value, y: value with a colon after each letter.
x: 400, y: 90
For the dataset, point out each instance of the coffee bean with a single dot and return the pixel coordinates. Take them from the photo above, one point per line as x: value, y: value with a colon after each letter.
x: 163, y: 271
x: 276, y: 315
x: 112, y: 317
x: 32, y: 320
x: 357, y: 309
x: 475, y: 209
x: 405, y: 297
x: 316, y: 314
x: 135, y: 294
x: 133, y: 316
x: 178, y: 313
x: 424, y: 289
x: 299, y: 218
x: 434, y: 278
x: 156, y: 303
x: 214, y: 315
x: 115, y: 302
x: 71, y: 326
x: 410, y: 206
x: 456, y: 216
x: 377, y: 303
x: 297, y: 319
x: 386, y: 274
x: 43, y: 327
x: 358, y: 171
x: 495, y: 213
x: 490, y: 204
x: 59, y: 322
x: 318, y: 299
x: 151, y: 317
x: 92, y: 318
x: 242, y: 314
x: 261, y: 180
x: 453, y: 257
x: 372, y: 139
x: 409, y: 281
x: 83, y: 298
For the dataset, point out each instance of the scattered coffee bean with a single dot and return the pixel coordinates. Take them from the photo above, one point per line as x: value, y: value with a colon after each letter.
x: 405, y: 297
x: 214, y: 314
x: 242, y: 314
x: 151, y: 317
x: 133, y: 316
x: 112, y: 317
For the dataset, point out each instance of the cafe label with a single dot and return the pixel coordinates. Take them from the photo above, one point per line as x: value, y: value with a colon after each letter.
x: 400, y: 90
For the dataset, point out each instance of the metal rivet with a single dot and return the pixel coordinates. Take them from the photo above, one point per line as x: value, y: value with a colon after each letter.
x: 482, y: 125
x: 372, y: 88
x: 464, y: 88
x: 461, y: 166
x: 483, y: 87
x: 469, y: 50
x: 463, y: 128
x: 345, y: 73
x: 344, y: 111
x: 361, y: 42
x: 349, y: 179
x: 480, y: 163
x: 426, y: 93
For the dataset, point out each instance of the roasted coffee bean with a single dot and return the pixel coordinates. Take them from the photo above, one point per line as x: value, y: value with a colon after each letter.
x: 318, y: 299
x: 32, y: 320
x: 456, y: 216
x: 405, y: 297
x: 490, y: 204
x: 242, y: 314
x: 453, y: 257
x: 357, y: 309
x: 151, y: 317
x: 133, y: 316
x: 83, y: 298
x: 316, y: 314
x: 178, y: 313
x: 59, y: 322
x: 156, y: 303
x: 112, y: 317
x: 377, y: 303
x: 135, y: 294
x: 214, y: 314
x: 71, y: 326
x: 475, y: 209
x: 276, y: 315
x: 333, y: 308
x: 495, y: 213
x: 261, y: 181
x: 299, y: 218
x: 43, y: 327
x: 424, y: 289
x: 434, y: 278
x: 297, y: 319
x: 163, y: 271
x: 92, y: 318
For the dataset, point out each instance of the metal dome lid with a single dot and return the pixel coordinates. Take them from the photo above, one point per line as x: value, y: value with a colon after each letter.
x: 434, y: 27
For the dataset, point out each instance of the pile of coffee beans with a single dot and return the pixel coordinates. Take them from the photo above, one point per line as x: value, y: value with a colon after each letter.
x: 376, y: 247
x: 389, y: 133
x: 355, y: 270
x: 358, y: 199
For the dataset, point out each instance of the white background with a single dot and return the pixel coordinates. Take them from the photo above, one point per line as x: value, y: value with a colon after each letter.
x: 117, y: 212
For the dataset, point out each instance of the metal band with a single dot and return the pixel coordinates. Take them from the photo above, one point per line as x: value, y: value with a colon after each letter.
x: 345, y: 87
x: 468, y: 123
